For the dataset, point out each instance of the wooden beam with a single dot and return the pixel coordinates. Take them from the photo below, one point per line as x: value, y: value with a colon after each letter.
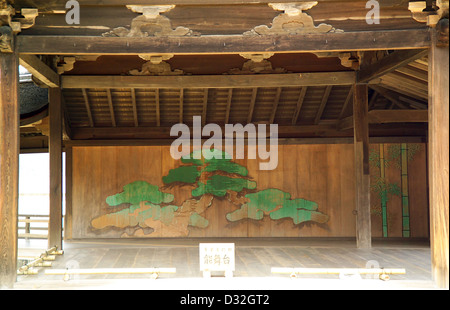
x: 388, y: 117
x: 133, y: 102
x: 9, y: 166
x: 55, y: 5
x: 323, y: 103
x: 373, y: 100
x: 362, y: 173
x: 205, y: 105
x: 298, y: 108
x: 211, y: 81
x: 389, y: 95
x: 181, y: 105
x: 158, y: 110
x: 88, y: 108
x: 275, y: 105
x: 225, y: 44
x: 55, y: 154
x: 40, y: 70
x: 346, y: 105
x: 439, y: 161
x: 285, y: 131
x: 252, y: 105
x: 389, y: 63
x: 111, y: 108
x: 229, y: 98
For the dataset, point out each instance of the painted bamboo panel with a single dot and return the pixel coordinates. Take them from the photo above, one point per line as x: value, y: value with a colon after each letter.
x: 141, y: 191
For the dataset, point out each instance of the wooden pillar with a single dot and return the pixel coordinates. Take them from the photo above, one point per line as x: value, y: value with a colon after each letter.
x: 362, y: 174
x: 55, y: 151
x: 9, y: 162
x: 438, y: 114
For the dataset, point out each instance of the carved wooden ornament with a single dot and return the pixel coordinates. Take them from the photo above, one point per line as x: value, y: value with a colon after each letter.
x: 150, y: 24
x: 156, y: 65
x: 257, y: 63
x: 292, y: 21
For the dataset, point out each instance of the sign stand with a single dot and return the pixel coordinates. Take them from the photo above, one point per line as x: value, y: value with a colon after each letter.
x: 217, y: 257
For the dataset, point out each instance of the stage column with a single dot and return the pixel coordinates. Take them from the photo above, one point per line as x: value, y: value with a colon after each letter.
x: 9, y: 157
x: 55, y: 154
x: 438, y: 146
x: 362, y: 173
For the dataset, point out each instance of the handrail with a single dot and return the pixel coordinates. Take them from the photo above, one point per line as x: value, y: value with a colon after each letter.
x: 29, y: 219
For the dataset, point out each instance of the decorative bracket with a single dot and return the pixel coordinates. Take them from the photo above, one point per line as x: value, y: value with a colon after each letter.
x: 292, y: 21
x: 10, y: 25
x: 66, y: 63
x: 430, y: 14
x: 257, y: 63
x: 150, y: 24
x: 156, y: 65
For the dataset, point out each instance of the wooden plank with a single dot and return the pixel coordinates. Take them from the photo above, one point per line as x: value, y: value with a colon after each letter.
x: 40, y: 70
x: 55, y: 154
x: 323, y: 103
x: 9, y: 167
x: 88, y: 108
x: 439, y: 161
x: 362, y: 180
x: 211, y: 81
x: 228, y: 44
x: 389, y: 63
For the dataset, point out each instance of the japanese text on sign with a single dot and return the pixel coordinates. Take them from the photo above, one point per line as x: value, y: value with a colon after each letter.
x: 217, y: 257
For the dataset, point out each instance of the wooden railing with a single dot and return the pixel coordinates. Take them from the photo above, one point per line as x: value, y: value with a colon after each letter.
x: 29, y: 220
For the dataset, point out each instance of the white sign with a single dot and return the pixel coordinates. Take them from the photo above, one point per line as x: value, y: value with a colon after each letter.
x: 217, y: 257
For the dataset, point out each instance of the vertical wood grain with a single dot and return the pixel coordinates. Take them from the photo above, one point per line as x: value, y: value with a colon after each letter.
x: 438, y: 109
x: 362, y: 173
x: 55, y: 154
x: 9, y: 167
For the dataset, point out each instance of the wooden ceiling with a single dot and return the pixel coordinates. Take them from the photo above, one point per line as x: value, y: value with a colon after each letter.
x: 108, y: 96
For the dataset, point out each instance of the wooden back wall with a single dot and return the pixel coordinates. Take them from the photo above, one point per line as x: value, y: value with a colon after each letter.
x: 119, y: 192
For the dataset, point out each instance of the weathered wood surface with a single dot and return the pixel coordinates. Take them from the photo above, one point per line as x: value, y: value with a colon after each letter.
x: 388, y: 64
x: 224, y: 18
x: 254, y: 257
x: 439, y: 161
x: 320, y: 173
x: 9, y: 166
x: 362, y: 170
x: 40, y: 70
x: 55, y: 155
x: 213, y: 81
x: 219, y: 44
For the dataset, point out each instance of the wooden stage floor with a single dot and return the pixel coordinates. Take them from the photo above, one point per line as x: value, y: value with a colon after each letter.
x: 254, y: 260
